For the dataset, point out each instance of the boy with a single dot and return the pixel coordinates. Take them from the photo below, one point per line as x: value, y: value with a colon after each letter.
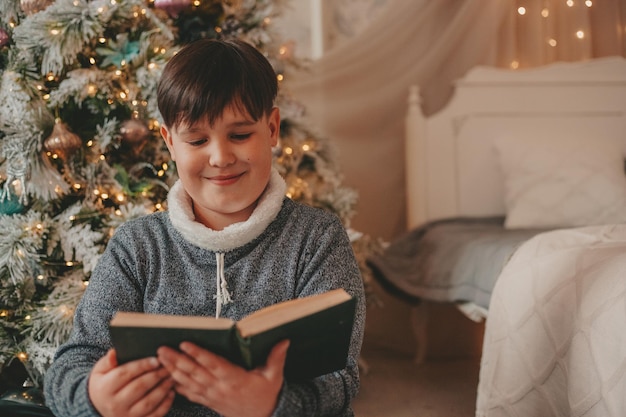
x: 230, y: 244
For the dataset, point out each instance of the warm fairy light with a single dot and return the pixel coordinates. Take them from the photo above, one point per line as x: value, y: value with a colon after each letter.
x: 69, y: 263
x: 92, y: 90
x: 152, y: 65
x: 160, y: 173
x: 4, y: 313
x: 92, y: 60
x: 102, y: 157
x: 306, y: 147
x: 282, y: 50
x: 40, y: 277
x: 118, y: 212
x: 39, y: 87
x: 120, y: 197
x: 515, y: 64
x: 96, y: 192
x: 288, y: 150
x: 545, y: 13
x: 218, y: 29
x: 123, y: 95
x: 55, y: 156
x: 72, y: 218
x: 77, y: 186
x: 588, y: 3
x: 85, y: 283
x: 164, y: 166
x: 158, y: 206
x: 27, y: 317
x: 54, y: 32
x: 267, y: 20
x: 580, y: 34
x: 23, y: 356
x: 39, y: 226
x: 102, y: 40
x: 280, y: 77
x: 50, y: 77
x: 196, y: 3
x: 521, y: 11
x: 89, y: 143
x: 104, y: 196
x: 570, y: 3
x: 118, y: 73
x: 552, y: 42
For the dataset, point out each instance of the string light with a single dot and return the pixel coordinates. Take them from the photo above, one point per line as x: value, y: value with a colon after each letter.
x: 521, y: 11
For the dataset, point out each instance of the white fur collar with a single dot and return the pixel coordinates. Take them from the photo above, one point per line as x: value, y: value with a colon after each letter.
x: 237, y: 234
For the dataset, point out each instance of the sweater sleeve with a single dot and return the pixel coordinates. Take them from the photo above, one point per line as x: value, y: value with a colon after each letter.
x: 330, y: 264
x: 111, y: 288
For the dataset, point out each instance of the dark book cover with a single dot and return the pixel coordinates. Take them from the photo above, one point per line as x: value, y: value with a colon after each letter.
x: 320, y: 340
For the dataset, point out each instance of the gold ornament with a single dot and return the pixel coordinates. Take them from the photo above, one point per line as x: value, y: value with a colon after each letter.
x: 134, y: 132
x: 62, y: 142
x: 33, y: 6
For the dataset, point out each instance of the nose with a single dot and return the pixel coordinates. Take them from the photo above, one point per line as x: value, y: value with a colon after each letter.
x: 221, y: 153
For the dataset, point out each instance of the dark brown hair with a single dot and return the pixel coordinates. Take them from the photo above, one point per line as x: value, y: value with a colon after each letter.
x: 208, y: 75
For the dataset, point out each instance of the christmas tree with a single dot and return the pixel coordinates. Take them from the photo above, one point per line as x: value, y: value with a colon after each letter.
x: 80, y: 151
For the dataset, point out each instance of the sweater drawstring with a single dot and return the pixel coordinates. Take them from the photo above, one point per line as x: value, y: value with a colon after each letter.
x: 222, y: 295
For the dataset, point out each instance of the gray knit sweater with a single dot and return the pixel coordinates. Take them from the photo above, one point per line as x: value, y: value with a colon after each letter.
x: 168, y: 263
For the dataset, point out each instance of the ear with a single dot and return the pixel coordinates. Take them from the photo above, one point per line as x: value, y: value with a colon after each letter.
x: 273, y: 122
x: 167, y: 138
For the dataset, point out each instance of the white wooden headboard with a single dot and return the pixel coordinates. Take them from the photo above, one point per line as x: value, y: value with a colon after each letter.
x: 451, y: 168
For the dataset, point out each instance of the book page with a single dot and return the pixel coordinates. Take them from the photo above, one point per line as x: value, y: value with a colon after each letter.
x: 287, y: 311
x: 135, y: 319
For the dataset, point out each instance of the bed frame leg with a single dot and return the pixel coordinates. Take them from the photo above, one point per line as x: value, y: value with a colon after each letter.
x: 419, y: 326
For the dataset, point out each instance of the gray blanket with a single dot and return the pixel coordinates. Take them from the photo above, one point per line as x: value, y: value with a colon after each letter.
x: 452, y: 260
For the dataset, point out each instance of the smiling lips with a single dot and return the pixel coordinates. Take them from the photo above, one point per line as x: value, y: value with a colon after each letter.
x: 225, y: 179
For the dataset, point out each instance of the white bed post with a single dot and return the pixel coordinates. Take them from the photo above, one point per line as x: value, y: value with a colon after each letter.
x: 415, y: 150
x: 415, y: 166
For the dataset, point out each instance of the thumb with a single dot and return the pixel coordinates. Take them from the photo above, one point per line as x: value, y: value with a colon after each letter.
x: 276, y: 359
x: 106, y: 363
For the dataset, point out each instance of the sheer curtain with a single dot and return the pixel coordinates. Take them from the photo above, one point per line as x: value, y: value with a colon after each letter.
x: 356, y: 93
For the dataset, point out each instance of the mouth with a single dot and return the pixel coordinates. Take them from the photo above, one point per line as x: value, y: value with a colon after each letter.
x: 225, y: 179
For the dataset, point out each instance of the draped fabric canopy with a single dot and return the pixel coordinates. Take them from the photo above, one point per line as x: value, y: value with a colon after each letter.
x: 356, y: 93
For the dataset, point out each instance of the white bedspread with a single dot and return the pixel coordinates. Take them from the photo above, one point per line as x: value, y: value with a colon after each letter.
x: 555, y: 339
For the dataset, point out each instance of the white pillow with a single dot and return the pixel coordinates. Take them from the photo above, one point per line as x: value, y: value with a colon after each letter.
x: 564, y: 182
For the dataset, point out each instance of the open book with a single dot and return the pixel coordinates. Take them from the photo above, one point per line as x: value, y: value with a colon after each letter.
x: 319, y: 328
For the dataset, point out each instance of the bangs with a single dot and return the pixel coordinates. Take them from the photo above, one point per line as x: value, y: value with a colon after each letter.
x: 199, y: 84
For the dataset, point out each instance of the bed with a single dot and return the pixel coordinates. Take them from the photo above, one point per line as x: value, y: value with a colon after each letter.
x: 520, y: 164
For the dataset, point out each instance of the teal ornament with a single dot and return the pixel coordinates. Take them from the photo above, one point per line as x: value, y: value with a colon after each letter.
x: 120, y: 51
x: 10, y: 204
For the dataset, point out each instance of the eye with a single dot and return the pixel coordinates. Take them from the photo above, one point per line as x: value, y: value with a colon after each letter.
x: 240, y: 136
x: 197, y: 142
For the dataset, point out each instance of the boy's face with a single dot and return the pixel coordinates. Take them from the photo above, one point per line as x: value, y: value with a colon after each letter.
x: 225, y: 167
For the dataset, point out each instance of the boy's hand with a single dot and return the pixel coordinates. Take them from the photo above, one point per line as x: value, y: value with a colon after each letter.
x: 140, y: 388
x: 208, y: 379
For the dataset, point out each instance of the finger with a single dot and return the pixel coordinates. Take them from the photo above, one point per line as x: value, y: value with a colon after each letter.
x: 152, y: 401
x: 133, y: 392
x: 164, y: 406
x: 172, y: 359
x: 127, y: 372
x: 106, y: 363
x: 275, y: 364
x: 213, y: 363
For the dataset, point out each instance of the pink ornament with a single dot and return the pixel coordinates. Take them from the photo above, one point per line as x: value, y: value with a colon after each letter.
x: 172, y: 7
x: 4, y: 37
